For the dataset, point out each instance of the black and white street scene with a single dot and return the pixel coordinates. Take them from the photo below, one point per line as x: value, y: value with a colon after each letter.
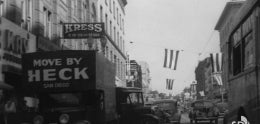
x: 129, y: 61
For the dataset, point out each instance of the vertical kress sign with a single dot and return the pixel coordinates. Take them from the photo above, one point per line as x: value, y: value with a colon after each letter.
x: 59, y: 70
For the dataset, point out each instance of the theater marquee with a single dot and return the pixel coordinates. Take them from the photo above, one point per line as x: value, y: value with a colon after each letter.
x: 82, y: 30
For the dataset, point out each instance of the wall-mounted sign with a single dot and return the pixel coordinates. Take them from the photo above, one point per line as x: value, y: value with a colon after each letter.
x: 14, y: 41
x: 59, y: 71
x: 83, y: 30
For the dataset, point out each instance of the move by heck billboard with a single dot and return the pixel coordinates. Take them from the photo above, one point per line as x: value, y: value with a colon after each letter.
x: 59, y: 70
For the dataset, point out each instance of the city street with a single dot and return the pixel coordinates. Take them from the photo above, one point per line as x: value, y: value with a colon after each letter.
x: 185, y: 119
x: 129, y: 61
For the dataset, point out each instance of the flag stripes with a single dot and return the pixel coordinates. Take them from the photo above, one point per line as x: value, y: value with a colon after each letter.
x: 216, y: 62
x: 169, y: 84
x: 218, y: 78
x: 171, y: 59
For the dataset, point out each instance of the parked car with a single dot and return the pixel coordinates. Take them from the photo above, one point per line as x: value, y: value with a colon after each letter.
x: 203, y: 110
x: 223, y: 109
x: 167, y: 111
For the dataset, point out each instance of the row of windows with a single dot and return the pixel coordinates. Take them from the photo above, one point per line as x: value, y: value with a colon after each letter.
x: 120, y: 65
x: 112, y: 31
x: 26, y: 12
x: 116, y: 14
x: 243, y: 47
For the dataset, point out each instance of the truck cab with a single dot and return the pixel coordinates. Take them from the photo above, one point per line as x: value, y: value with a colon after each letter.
x: 131, y: 109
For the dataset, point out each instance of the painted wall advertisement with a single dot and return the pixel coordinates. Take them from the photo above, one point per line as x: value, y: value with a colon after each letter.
x: 59, y: 70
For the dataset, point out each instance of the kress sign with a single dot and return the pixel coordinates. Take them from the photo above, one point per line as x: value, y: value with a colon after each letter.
x: 62, y: 70
x: 83, y: 30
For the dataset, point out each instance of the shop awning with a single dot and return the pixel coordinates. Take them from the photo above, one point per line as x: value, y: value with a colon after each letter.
x: 3, y: 85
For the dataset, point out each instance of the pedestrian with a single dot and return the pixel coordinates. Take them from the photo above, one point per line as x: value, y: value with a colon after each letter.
x: 2, y: 104
x: 3, y: 100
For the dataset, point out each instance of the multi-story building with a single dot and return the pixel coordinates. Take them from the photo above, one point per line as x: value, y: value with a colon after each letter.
x: 200, y: 77
x: 112, y: 13
x: 207, y: 86
x: 135, y: 79
x: 223, y: 26
x: 193, y: 90
x: 238, y: 27
x: 146, y: 78
x: 38, y: 24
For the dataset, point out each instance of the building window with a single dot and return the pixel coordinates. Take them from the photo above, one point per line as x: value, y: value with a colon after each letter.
x: 106, y: 23
x: 110, y: 25
x: 115, y: 34
x: 118, y: 39
x: 120, y: 42
x: 123, y: 26
x: 242, y: 53
x: 110, y: 6
x: 114, y: 10
x: 123, y: 45
x: 26, y: 7
x: 249, y: 51
x: 61, y: 29
x: 111, y: 56
x: 47, y: 23
x: 75, y: 7
x: 107, y: 52
x: 2, y: 8
x: 117, y: 18
x: 94, y: 14
x: 122, y: 71
x: 237, y: 59
x: 115, y: 61
x: 101, y: 14
x: 120, y: 22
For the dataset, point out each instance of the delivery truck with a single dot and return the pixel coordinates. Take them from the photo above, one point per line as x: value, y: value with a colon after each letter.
x: 76, y: 87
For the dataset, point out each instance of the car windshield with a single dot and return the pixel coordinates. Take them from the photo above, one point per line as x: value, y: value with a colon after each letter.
x: 135, y: 98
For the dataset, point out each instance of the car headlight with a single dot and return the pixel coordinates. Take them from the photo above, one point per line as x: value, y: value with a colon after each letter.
x: 64, y: 118
x: 38, y: 119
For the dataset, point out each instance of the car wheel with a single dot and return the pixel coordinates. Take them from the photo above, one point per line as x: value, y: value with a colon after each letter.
x: 149, y: 121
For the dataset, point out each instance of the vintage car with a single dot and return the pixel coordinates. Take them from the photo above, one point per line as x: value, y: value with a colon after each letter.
x: 203, y: 110
x: 167, y: 111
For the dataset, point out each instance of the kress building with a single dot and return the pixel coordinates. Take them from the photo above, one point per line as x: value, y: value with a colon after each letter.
x: 36, y: 25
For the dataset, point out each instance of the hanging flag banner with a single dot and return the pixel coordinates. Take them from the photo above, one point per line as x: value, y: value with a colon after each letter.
x: 216, y: 62
x: 171, y: 59
x: 83, y: 30
x: 169, y: 84
x: 218, y: 78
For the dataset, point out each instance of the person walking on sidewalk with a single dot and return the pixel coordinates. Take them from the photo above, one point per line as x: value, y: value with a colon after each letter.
x: 5, y: 104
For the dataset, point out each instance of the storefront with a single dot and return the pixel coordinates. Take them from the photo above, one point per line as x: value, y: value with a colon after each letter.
x: 14, y: 41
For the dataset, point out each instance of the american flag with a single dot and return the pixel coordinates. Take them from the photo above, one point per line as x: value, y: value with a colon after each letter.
x: 216, y: 62
x: 171, y: 59
x: 169, y: 84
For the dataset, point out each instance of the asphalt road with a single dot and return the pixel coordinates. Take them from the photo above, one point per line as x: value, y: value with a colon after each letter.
x: 185, y: 119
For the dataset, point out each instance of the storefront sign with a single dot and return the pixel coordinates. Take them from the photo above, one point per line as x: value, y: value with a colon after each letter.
x: 14, y: 41
x: 61, y: 70
x: 82, y: 30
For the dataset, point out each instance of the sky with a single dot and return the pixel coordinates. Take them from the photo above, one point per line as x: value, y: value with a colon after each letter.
x: 186, y: 25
